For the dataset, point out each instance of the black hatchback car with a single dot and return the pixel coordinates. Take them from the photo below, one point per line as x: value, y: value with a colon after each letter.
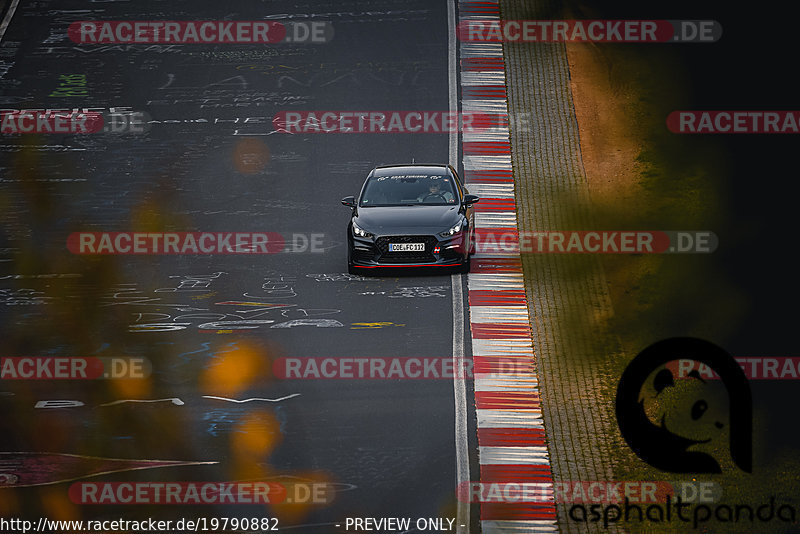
x: 411, y: 216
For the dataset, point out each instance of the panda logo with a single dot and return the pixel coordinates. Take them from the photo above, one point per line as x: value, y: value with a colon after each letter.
x: 686, y: 424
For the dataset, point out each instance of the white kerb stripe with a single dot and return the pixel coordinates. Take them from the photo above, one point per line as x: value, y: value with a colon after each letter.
x: 518, y: 527
x: 511, y: 384
x: 483, y: 77
x: 495, y: 219
x: 478, y: 134
x: 483, y: 163
x: 478, y: 282
x: 472, y: 49
x: 498, y: 314
x: 510, y: 378
x: 512, y: 455
x: 494, y: 105
x: 509, y: 419
x: 499, y: 190
x: 500, y: 347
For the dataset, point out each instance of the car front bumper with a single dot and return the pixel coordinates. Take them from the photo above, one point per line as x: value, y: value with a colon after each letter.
x: 373, y: 253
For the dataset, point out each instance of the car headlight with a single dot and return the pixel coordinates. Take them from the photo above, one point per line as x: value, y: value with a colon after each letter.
x: 361, y: 233
x: 456, y: 228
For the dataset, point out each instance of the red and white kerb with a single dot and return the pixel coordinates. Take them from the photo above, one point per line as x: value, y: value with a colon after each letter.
x: 511, y: 435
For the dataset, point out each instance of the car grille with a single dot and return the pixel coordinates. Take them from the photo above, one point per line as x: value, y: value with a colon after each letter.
x: 406, y: 257
x: 363, y: 255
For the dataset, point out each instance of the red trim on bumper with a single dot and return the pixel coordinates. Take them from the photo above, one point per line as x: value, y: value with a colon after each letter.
x: 393, y: 266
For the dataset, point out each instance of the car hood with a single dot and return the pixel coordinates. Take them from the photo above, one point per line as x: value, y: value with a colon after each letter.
x: 407, y: 219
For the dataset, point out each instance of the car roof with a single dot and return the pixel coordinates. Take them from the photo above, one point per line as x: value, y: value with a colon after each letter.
x: 418, y: 168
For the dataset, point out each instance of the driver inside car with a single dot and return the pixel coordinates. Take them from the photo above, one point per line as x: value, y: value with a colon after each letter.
x: 435, y: 194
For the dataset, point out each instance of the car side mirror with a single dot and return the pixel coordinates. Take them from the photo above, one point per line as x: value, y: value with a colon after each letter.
x: 471, y: 199
x: 350, y: 202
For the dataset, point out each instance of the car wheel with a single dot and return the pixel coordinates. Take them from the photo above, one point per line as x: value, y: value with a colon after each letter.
x: 350, y: 268
x: 466, y: 264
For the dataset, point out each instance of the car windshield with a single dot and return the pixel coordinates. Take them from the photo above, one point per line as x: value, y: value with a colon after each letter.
x: 409, y: 190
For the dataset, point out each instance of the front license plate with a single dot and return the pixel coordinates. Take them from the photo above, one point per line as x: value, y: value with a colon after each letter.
x: 406, y: 247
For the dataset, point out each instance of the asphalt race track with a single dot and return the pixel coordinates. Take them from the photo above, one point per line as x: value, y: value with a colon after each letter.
x: 213, y: 325
x: 182, y: 348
